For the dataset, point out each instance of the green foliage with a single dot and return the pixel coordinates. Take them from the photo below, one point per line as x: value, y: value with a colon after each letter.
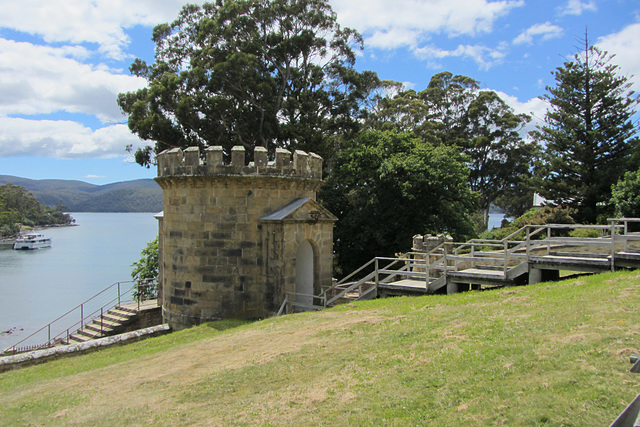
x: 584, y: 233
x: 272, y: 73
x: 517, y: 199
x: 453, y: 111
x: 534, y: 216
x: 389, y: 186
x: 545, y: 215
x: 145, y: 270
x: 587, y: 134
x: 625, y: 195
x: 18, y: 206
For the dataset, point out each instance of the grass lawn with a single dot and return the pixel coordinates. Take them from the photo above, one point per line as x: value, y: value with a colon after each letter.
x: 546, y: 354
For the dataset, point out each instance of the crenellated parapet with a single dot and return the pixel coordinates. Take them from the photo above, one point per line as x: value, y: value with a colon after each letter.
x: 187, y: 162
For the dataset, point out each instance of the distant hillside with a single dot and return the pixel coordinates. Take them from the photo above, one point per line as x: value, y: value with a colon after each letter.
x: 142, y: 195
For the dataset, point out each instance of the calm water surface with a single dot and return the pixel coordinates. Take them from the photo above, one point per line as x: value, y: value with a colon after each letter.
x: 38, y: 286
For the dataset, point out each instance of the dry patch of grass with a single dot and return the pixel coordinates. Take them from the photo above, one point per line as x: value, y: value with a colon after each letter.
x: 550, y: 354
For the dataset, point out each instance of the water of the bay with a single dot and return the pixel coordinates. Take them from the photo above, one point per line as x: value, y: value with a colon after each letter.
x: 38, y: 286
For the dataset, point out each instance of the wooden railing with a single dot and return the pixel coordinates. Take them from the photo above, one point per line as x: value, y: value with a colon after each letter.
x: 507, y: 255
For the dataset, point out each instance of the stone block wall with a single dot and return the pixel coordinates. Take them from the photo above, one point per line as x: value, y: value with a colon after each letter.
x: 217, y: 255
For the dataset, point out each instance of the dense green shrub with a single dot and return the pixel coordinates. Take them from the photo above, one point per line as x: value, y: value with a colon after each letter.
x: 625, y: 195
x: 534, y: 216
x: 145, y: 271
x: 545, y: 215
x: 583, y: 233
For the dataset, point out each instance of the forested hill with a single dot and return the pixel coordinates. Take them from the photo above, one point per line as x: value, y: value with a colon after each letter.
x: 142, y: 195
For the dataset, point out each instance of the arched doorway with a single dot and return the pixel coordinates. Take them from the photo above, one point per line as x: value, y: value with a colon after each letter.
x: 304, y: 274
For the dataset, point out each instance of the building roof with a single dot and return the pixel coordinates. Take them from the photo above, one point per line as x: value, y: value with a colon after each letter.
x: 301, y: 209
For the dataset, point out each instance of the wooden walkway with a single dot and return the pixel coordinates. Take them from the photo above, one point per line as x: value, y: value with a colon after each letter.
x: 533, y: 254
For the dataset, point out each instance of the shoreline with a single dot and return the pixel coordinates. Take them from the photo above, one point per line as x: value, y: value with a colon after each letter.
x: 10, y: 240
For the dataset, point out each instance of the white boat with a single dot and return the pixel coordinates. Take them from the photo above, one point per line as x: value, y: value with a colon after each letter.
x: 32, y: 241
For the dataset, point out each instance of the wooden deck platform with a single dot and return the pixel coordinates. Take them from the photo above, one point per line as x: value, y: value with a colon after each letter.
x: 578, y: 263
x: 479, y: 276
x: 533, y: 254
x: 476, y: 278
x: 407, y: 287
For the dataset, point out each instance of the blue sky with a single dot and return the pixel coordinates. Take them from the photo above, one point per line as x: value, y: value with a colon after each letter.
x: 63, y: 62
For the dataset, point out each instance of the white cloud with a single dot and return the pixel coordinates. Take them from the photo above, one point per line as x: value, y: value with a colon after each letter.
x: 535, y: 107
x: 576, y: 7
x: 62, y: 139
x: 405, y: 22
x: 485, y: 57
x: 43, y: 80
x: 81, y: 21
x: 393, y: 37
x: 624, y: 45
x: 546, y: 31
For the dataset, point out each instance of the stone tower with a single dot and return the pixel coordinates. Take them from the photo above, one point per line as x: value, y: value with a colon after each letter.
x: 235, y: 238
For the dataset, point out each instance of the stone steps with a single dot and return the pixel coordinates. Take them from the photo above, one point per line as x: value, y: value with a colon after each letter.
x: 103, y: 326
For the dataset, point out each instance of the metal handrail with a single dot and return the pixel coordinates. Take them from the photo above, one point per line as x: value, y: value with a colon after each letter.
x: 284, y: 308
x: 118, y: 298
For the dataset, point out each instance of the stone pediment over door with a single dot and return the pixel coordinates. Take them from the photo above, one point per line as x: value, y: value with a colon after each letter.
x: 301, y: 210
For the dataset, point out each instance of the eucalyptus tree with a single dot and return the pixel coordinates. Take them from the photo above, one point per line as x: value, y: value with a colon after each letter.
x: 588, y: 133
x: 453, y: 111
x: 272, y: 73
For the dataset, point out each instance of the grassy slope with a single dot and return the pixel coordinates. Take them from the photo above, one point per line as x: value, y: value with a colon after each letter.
x: 549, y: 354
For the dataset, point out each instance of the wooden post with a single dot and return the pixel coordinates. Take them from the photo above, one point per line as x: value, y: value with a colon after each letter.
x: 446, y: 263
x: 426, y: 270
x: 473, y: 256
x: 506, y: 258
x: 376, y: 267
x: 613, y: 244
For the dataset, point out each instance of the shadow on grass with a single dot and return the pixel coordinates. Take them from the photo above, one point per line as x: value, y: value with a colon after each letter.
x: 223, y: 325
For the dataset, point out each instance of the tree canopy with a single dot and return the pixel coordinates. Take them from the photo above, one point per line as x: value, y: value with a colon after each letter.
x: 19, y: 207
x: 272, y: 73
x: 587, y: 133
x: 388, y: 186
x: 625, y: 195
x: 453, y: 111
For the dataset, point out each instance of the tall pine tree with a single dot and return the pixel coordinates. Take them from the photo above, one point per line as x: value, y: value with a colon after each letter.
x: 587, y: 133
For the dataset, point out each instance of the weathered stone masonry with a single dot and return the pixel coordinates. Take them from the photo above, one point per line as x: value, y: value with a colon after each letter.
x: 231, y: 235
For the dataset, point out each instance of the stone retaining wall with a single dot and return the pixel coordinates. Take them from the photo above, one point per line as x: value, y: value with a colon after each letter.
x: 21, y: 360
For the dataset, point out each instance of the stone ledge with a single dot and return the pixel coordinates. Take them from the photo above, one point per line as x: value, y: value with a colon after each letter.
x: 21, y: 360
